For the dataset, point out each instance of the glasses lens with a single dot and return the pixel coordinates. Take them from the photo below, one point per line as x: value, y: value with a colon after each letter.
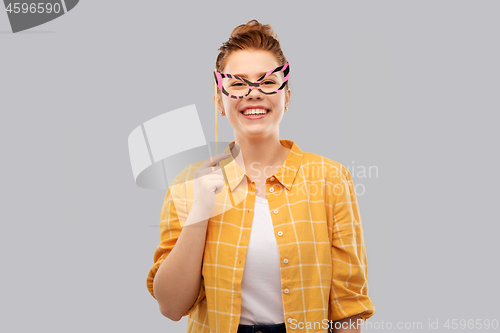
x: 240, y: 88
x: 235, y: 87
x: 272, y: 82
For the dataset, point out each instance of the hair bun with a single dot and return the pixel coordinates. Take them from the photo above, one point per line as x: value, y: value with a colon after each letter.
x: 250, y: 36
x: 254, y: 25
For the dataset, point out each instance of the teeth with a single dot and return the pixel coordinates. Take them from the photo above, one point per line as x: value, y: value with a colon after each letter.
x: 254, y: 111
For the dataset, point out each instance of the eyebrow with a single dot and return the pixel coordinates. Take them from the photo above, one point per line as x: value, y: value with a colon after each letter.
x: 245, y: 76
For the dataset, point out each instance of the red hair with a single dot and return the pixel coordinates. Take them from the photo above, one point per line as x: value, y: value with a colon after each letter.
x: 252, y: 35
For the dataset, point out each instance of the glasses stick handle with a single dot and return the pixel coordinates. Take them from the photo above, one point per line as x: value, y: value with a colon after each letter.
x: 216, y: 120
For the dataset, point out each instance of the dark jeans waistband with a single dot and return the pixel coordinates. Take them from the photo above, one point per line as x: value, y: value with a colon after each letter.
x: 276, y: 328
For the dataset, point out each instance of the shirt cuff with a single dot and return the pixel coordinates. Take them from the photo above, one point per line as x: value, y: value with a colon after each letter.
x: 356, y: 306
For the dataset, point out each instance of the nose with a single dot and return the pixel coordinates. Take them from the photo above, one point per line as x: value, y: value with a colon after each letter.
x: 254, y: 93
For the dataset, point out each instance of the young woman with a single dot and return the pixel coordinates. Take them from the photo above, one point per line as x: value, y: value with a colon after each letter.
x: 273, y: 244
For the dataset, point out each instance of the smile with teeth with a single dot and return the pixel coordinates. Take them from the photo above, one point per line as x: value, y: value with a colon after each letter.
x: 254, y: 112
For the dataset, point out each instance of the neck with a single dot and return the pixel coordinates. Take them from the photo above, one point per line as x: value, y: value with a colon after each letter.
x: 259, y: 153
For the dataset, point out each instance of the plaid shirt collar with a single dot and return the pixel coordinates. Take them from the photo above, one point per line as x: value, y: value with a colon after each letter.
x: 285, y: 175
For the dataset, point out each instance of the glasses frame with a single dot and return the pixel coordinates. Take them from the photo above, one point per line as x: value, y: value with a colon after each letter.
x: 253, y: 85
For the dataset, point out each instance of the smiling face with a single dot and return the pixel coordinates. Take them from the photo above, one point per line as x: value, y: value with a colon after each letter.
x: 252, y: 64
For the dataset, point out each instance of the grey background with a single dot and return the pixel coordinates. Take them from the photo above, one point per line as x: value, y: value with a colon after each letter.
x: 410, y: 87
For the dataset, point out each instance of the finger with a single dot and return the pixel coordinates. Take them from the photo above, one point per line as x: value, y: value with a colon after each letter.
x: 219, y: 185
x: 214, y: 160
x: 215, y: 177
x: 208, y: 171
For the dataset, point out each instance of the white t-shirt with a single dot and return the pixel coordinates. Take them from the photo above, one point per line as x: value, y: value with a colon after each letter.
x: 261, y: 302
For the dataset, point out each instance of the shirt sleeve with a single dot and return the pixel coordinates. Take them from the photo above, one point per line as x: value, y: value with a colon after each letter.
x: 173, y: 217
x: 349, y: 289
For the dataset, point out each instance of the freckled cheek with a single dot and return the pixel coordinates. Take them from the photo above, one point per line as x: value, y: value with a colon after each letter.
x: 278, y: 103
x: 231, y: 104
x: 231, y: 107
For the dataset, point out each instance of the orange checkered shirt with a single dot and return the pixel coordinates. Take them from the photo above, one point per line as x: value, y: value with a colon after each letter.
x: 317, y: 226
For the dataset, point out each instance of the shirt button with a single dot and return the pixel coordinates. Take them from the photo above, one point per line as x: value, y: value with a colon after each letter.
x: 271, y: 189
x: 276, y: 211
x: 289, y: 320
x: 286, y: 291
x: 280, y: 233
x: 285, y: 261
x: 271, y: 179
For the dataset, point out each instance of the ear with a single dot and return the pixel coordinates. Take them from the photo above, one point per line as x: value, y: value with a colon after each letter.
x: 288, y: 93
x: 218, y: 102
